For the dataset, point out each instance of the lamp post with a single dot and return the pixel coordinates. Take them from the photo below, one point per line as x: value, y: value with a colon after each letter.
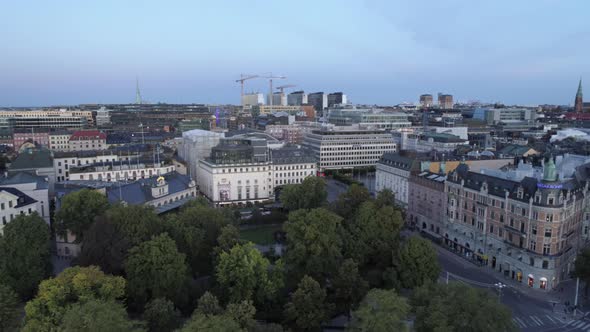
x: 499, y: 286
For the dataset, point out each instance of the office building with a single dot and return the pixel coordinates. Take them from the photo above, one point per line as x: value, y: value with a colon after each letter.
x: 426, y: 101
x: 419, y: 141
x: 337, y: 98
x: 269, y: 109
x: 348, y: 147
x: 445, y: 101
x: 251, y: 99
x: 196, y: 145
x: 347, y: 115
x: 278, y: 98
x: 506, y: 116
x: 319, y: 100
x: 296, y: 98
x: 46, y: 119
x: 103, y: 117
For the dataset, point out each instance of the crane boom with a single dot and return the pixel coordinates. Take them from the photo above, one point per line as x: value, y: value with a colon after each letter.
x: 270, y: 78
x: 243, y: 78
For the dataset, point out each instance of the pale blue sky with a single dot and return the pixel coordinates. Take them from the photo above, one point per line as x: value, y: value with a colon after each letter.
x: 376, y: 51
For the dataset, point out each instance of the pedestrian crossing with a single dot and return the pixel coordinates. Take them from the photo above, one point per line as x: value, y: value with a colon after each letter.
x: 542, y: 322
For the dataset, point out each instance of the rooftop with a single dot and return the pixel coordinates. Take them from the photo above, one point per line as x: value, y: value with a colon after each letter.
x: 23, y: 199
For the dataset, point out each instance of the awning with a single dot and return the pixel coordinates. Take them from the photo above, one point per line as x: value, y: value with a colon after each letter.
x: 531, y: 276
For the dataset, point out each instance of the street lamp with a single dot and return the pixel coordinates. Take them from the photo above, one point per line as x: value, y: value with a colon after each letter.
x: 499, y: 286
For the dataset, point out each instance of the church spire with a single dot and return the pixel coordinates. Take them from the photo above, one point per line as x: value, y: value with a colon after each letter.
x: 579, y: 100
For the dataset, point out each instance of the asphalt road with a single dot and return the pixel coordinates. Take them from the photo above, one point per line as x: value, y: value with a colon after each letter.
x: 334, y: 189
x: 529, y: 313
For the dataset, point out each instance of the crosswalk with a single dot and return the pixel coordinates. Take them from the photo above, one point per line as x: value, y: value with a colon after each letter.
x: 542, y: 322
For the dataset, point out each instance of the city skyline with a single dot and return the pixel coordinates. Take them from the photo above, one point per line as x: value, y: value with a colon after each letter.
x: 376, y: 52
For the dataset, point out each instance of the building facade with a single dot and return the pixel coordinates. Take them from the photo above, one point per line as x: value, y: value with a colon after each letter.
x: 13, y: 203
x: 393, y: 172
x: 426, y: 200
x: 426, y: 101
x: 337, y: 98
x: 445, y: 101
x: 19, y: 137
x: 319, y: 100
x: 347, y: 148
x: 87, y: 140
x: 33, y: 186
x: 59, y: 141
x: 296, y: 98
x: 28, y: 119
x: 196, y: 145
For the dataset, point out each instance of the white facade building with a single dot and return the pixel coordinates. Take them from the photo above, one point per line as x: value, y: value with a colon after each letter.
x: 36, y: 187
x: 13, y: 203
x: 59, y: 141
x: 103, y: 117
x: 251, y: 99
x: 393, y: 173
x: 343, y: 147
x: 196, y: 145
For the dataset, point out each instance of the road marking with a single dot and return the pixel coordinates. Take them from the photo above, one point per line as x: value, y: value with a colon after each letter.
x: 578, y: 324
x: 587, y: 325
x: 551, y: 319
x: 536, y: 320
x: 519, y: 322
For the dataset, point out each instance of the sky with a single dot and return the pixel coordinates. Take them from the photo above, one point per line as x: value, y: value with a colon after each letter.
x: 376, y: 51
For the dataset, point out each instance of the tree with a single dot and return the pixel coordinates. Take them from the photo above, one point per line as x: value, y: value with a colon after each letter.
x: 308, y: 308
x: 458, y: 307
x: 161, y: 315
x: 243, y: 313
x: 247, y: 275
x: 582, y: 268
x: 229, y: 237
x: 348, y: 203
x: 372, y: 235
x: 209, y: 305
x: 104, y: 246
x: 381, y: 310
x: 75, y: 284
x: 137, y: 223
x: 155, y: 269
x: 78, y: 210
x: 419, y: 263
x: 385, y: 197
x: 348, y: 286
x: 213, y: 323
x: 9, y: 309
x: 97, y: 316
x: 26, y: 257
x: 309, y: 194
x: 314, y: 245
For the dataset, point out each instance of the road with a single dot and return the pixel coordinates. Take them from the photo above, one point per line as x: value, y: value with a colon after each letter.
x: 334, y: 189
x: 529, y: 313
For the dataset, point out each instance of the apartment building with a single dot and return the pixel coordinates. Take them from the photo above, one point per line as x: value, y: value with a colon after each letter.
x: 13, y: 203
x: 59, y: 141
x: 87, y: 140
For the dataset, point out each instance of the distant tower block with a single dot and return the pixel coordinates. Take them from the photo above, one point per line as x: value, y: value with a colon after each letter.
x: 137, y: 92
x: 579, y: 103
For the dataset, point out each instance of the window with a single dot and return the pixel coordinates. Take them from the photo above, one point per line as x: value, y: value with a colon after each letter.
x: 535, y: 215
x: 549, y: 217
x: 547, y: 249
x: 532, y: 261
x: 491, y: 228
x: 2, y: 206
x: 533, y: 245
x: 9, y: 203
x: 500, y: 232
x: 545, y: 264
x: 534, y: 229
x: 547, y: 232
x: 501, y: 218
x: 511, y: 222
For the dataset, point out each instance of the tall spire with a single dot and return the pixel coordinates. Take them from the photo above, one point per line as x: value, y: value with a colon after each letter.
x: 137, y: 92
x: 578, y: 107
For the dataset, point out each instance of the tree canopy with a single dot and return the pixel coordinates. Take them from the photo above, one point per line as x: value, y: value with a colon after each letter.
x: 161, y: 316
x: 98, y: 316
x: 348, y: 286
x: 314, y: 243
x: 75, y: 284
x: 213, y: 323
x: 78, y: 210
x: 26, y: 257
x: 309, y: 194
x: 348, y: 202
x: 458, y: 307
x: 155, y: 269
x: 419, y: 264
x: 137, y: 223
x: 9, y: 309
x: 308, y: 309
x: 380, y: 311
x: 246, y: 274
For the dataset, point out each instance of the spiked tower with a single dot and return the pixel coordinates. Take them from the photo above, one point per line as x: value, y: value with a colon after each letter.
x: 578, y: 104
x: 137, y: 92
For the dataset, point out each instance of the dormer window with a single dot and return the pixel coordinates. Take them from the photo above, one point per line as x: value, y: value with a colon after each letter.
x: 519, y: 193
x: 484, y: 186
x: 550, y: 200
x: 537, y: 197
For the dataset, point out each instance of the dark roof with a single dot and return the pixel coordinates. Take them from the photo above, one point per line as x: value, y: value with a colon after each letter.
x: 32, y: 158
x: 88, y: 134
x: 24, y: 177
x: 514, y: 150
x: 398, y: 161
x: 23, y: 199
x: 291, y: 155
x: 443, y: 137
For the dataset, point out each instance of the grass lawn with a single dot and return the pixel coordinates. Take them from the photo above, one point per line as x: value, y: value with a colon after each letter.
x: 260, y: 235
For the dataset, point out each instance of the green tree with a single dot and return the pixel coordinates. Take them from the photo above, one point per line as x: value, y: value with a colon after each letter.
x: 75, y: 284
x: 246, y: 275
x: 155, y: 269
x: 385, y: 197
x: 419, y: 263
x: 212, y: 323
x: 9, y: 309
x: 209, y: 305
x: 26, y: 257
x: 161, y: 316
x: 380, y: 311
x: 78, y: 210
x: 243, y: 313
x: 372, y: 235
x: 104, y: 246
x: 314, y: 243
x: 348, y: 202
x: 98, y: 316
x: 308, y: 308
x: 348, y: 286
x: 137, y: 223
x: 458, y: 307
x: 582, y: 268
x: 229, y: 237
x: 309, y: 194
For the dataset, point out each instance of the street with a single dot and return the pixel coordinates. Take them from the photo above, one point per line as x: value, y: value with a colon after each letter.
x: 529, y: 313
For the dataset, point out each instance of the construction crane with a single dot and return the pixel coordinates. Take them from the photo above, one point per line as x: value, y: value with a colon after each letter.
x: 270, y: 78
x: 244, y: 77
x: 283, y: 87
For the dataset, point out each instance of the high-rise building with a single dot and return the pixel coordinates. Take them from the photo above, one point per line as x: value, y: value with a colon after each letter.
x: 336, y: 98
x: 297, y: 98
x: 426, y: 100
x: 578, y: 104
x: 252, y: 99
x: 445, y: 101
x: 319, y: 100
x: 278, y: 99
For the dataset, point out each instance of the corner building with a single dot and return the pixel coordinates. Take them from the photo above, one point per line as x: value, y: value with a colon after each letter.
x: 528, y: 229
